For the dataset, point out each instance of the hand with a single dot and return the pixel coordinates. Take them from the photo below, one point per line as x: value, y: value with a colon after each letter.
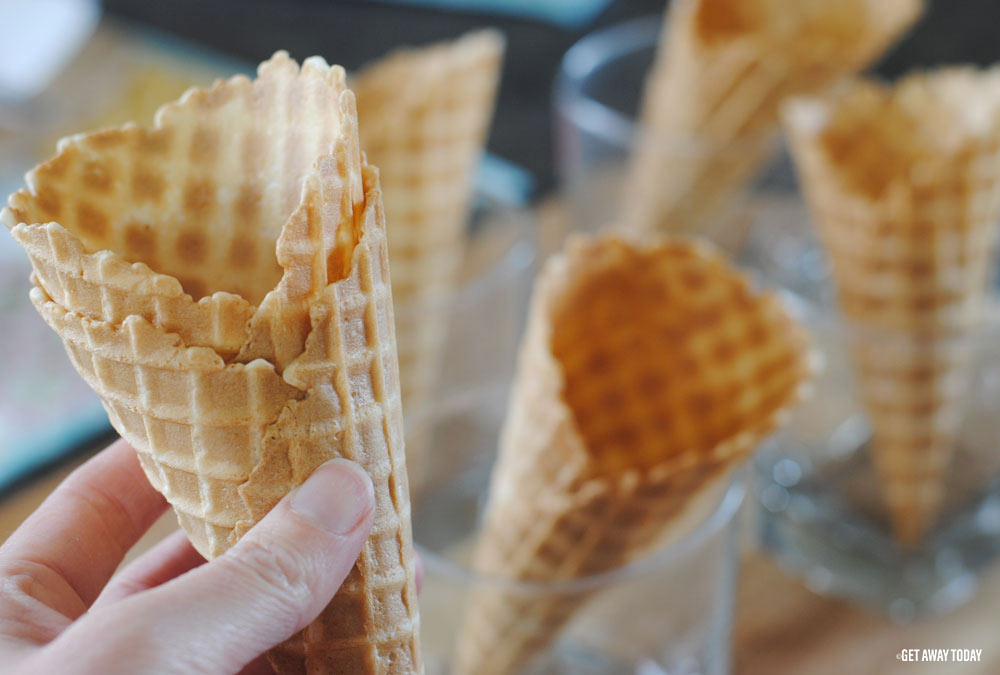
x: 169, y: 611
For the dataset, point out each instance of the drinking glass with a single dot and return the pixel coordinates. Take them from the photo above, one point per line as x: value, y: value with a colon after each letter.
x: 596, y: 99
x: 467, y: 337
x: 821, y: 502
x: 668, y: 612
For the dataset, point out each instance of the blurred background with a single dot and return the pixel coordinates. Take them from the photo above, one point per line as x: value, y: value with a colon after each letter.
x: 538, y: 33
x: 72, y: 65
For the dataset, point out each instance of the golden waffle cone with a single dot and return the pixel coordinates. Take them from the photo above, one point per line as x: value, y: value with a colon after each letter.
x: 646, y: 375
x: 227, y: 419
x: 904, y: 187
x: 425, y: 115
x: 711, y: 106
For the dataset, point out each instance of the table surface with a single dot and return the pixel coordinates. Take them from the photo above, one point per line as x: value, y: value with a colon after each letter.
x: 781, y: 627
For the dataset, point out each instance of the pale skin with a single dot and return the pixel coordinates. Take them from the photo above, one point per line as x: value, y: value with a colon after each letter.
x: 64, y: 610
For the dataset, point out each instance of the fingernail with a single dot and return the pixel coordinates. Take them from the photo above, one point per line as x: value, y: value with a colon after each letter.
x: 337, y: 496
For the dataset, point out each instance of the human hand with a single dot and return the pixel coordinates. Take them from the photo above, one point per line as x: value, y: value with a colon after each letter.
x: 169, y: 611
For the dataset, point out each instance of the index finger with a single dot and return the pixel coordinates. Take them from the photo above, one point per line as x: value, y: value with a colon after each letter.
x: 87, y: 525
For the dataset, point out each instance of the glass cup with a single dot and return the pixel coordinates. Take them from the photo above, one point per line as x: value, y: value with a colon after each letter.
x: 781, y: 245
x: 596, y: 99
x: 467, y: 337
x: 479, y: 321
x: 821, y: 501
x: 670, y: 611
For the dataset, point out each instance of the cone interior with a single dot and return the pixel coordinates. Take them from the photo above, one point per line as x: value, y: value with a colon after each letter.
x: 915, y: 137
x: 204, y: 194
x: 666, y: 355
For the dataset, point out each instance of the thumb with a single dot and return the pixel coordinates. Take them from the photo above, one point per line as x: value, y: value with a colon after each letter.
x: 271, y: 584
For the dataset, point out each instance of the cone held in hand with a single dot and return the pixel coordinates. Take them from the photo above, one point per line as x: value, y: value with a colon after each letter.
x: 221, y: 280
x: 646, y: 375
x: 904, y: 187
x: 711, y: 104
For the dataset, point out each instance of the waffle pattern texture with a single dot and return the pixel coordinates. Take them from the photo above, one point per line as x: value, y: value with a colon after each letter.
x: 904, y: 187
x: 711, y: 103
x: 424, y: 116
x: 222, y: 281
x: 647, y: 373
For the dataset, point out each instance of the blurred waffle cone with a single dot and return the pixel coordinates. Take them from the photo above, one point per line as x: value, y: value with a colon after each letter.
x: 904, y: 187
x: 233, y: 371
x: 711, y: 105
x: 424, y: 116
x: 647, y: 374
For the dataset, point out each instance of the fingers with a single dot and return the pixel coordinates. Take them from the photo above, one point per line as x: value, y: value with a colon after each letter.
x: 88, y: 523
x: 271, y: 584
x: 170, y: 558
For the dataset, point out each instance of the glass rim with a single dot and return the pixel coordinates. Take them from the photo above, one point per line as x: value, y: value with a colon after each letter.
x: 659, y: 558
x: 517, y: 258
x: 595, y: 50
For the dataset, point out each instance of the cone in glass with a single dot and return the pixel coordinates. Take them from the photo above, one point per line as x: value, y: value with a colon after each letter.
x: 424, y: 116
x: 710, y: 109
x: 222, y: 281
x: 903, y: 183
x: 647, y: 374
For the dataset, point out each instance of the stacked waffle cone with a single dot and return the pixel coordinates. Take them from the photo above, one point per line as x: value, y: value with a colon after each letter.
x: 904, y: 186
x: 233, y: 371
x: 711, y: 104
x: 424, y: 115
x: 647, y: 374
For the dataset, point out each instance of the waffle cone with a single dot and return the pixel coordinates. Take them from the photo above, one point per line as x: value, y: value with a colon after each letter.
x: 711, y: 106
x: 904, y: 187
x: 646, y: 375
x: 424, y: 115
x: 233, y: 371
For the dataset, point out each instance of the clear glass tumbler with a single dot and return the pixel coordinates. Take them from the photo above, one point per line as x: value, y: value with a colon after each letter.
x: 596, y: 99
x: 668, y: 612
x: 822, y: 486
x: 468, y: 337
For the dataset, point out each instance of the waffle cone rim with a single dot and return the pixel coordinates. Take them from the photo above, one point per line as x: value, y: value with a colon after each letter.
x: 726, y: 449
x: 168, y: 285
